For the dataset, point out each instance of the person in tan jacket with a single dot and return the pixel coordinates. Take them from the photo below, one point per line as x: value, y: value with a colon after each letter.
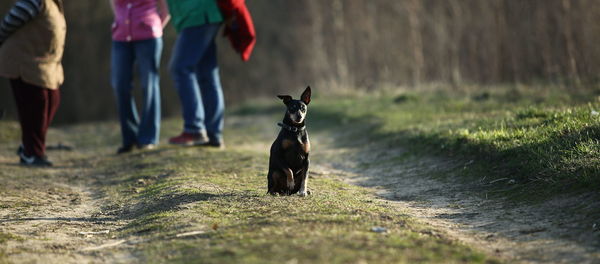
x: 32, y: 38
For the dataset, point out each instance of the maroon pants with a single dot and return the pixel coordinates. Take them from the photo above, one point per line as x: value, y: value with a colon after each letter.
x: 36, y: 107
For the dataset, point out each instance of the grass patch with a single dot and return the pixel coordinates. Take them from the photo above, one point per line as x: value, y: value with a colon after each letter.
x: 545, y: 141
x: 9, y: 132
x: 4, y: 237
x: 3, y: 257
x: 221, y: 196
x: 240, y: 223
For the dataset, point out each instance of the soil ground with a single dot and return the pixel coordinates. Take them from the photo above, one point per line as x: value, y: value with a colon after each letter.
x: 545, y: 232
x: 61, y: 215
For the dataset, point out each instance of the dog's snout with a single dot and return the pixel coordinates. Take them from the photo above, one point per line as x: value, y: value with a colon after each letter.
x: 296, y: 117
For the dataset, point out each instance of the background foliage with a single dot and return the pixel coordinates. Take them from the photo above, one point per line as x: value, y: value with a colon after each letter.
x: 362, y: 44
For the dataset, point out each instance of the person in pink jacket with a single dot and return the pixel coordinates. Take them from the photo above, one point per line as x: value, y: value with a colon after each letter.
x: 137, y: 40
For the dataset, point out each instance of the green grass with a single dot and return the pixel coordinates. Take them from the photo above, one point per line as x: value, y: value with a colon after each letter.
x: 545, y: 139
x: 171, y: 191
x: 162, y: 193
x: 9, y: 132
x: 4, y: 237
x: 7, y: 236
x: 545, y: 142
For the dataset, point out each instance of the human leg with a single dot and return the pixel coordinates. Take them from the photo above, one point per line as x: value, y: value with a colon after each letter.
x: 122, y: 59
x: 190, y: 48
x: 32, y: 107
x: 53, y: 104
x: 212, y: 94
x: 148, y: 53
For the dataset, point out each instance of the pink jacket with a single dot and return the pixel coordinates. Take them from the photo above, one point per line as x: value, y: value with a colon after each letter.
x: 136, y: 20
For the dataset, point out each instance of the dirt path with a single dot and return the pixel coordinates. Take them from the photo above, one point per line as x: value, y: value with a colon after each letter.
x: 53, y: 207
x: 556, y: 231
x: 57, y: 211
x: 66, y: 231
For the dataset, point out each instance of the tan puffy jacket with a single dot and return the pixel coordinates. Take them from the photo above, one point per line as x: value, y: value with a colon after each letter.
x: 34, y: 52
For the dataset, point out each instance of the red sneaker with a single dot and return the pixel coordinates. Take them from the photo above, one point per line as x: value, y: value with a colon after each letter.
x: 189, y: 139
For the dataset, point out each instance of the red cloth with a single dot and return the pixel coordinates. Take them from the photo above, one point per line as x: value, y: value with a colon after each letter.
x: 36, y: 107
x: 240, y: 30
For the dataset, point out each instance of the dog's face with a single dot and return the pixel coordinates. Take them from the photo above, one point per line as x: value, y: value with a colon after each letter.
x: 297, y: 109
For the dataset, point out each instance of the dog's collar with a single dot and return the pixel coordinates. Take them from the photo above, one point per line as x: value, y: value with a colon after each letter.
x: 291, y: 128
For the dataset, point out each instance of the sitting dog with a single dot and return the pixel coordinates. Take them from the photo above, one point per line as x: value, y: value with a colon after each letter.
x: 288, y: 163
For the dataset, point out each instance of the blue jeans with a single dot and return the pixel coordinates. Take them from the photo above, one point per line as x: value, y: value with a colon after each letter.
x: 145, y: 54
x: 196, y: 74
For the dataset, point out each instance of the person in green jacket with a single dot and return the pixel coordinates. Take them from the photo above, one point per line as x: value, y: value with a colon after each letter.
x: 195, y: 71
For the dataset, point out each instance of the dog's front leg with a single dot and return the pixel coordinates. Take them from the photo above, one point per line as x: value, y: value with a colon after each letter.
x: 290, y: 178
x: 303, y: 190
x: 270, y: 182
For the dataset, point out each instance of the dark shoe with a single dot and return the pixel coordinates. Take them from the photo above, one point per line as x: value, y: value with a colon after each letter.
x: 20, y: 150
x: 215, y: 144
x: 125, y: 149
x: 189, y: 139
x: 34, y: 161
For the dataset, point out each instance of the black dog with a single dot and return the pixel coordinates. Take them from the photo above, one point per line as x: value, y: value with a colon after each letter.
x: 288, y: 164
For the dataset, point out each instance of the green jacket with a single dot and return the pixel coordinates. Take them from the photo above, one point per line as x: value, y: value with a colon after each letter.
x: 190, y: 13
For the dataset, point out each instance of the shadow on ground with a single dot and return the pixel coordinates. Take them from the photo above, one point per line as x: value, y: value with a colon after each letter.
x: 472, y: 190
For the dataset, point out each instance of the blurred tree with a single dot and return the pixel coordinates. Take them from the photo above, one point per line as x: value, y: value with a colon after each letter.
x: 356, y: 43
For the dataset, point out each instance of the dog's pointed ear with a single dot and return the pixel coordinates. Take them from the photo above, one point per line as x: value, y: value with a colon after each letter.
x: 305, y: 97
x: 286, y: 98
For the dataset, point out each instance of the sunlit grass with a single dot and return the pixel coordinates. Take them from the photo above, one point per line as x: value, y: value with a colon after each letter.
x: 221, y: 195
x: 547, y: 138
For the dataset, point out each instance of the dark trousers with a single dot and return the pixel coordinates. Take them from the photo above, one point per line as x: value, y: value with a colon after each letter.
x: 36, y: 107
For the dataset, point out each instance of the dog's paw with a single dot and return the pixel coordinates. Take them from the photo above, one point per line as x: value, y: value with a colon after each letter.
x: 303, y: 192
